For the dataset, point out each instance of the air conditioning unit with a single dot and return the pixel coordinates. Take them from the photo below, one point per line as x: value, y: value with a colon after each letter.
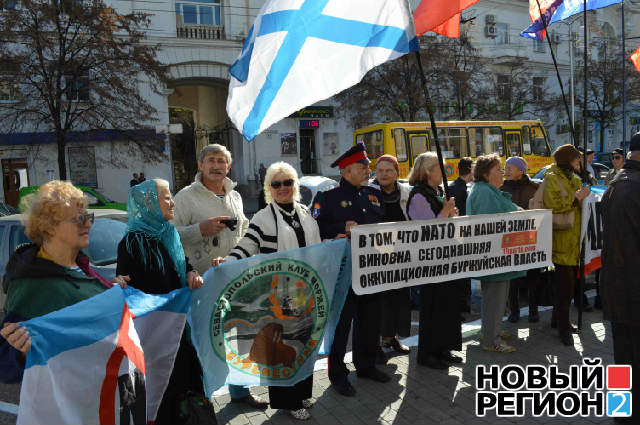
x: 490, y: 19
x: 555, y: 37
x: 490, y: 31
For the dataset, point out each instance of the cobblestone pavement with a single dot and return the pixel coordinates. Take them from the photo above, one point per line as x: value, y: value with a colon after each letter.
x: 419, y: 395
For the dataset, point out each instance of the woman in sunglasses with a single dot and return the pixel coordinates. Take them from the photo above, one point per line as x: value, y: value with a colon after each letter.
x: 283, y: 224
x: 50, y: 273
x: 152, y: 254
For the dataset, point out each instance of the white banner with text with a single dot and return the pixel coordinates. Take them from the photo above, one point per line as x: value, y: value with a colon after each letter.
x: 389, y: 256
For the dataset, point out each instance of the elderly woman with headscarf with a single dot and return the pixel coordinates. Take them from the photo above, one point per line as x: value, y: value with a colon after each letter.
x: 152, y: 255
x: 440, y: 330
x: 50, y: 273
x: 283, y: 224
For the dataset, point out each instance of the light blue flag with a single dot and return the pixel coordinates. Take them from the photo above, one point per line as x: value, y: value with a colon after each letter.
x: 559, y: 12
x: 84, y: 357
x: 264, y: 320
x: 299, y: 52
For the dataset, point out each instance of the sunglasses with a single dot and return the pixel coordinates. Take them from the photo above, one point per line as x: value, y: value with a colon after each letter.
x: 617, y: 157
x: 82, y: 219
x: 285, y: 183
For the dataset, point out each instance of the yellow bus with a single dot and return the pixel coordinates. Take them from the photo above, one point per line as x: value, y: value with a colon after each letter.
x: 458, y: 139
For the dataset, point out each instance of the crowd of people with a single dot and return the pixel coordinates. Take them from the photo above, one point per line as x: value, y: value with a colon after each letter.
x: 168, y: 244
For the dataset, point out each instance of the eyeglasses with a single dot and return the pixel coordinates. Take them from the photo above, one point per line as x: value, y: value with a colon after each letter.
x: 81, y: 219
x: 285, y: 183
x: 617, y: 157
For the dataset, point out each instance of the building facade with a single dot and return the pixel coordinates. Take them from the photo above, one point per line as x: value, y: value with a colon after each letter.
x: 200, y: 39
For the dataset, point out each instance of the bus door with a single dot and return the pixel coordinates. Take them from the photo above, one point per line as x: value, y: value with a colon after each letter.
x: 419, y: 143
x: 513, y: 143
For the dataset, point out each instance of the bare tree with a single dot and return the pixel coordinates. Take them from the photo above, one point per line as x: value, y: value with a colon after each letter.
x: 78, y: 65
x: 604, y: 86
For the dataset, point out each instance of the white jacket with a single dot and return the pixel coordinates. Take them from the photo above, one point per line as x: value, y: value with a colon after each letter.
x: 194, y: 204
x: 262, y: 238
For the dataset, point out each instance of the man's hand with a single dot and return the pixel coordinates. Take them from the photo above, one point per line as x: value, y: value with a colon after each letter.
x: 348, y: 225
x: 213, y: 226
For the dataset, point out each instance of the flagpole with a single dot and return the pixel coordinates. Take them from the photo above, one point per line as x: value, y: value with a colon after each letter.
x: 434, y: 130
x: 555, y: 64
x: 584, y: 159
x: 624, y: 84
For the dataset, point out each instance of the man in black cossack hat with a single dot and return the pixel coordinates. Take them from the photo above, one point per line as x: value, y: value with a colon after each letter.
x: 336, y: 212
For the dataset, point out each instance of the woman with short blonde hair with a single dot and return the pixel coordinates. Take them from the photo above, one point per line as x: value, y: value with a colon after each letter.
x: 49, y: 273
x: 440, y: 330
x: 284, y: 169
x: 283, y: 224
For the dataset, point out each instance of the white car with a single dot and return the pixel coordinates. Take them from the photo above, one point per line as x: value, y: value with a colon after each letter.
x: 311, y: 185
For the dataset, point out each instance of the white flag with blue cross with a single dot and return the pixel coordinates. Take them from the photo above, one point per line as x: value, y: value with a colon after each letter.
x: 299, y: 52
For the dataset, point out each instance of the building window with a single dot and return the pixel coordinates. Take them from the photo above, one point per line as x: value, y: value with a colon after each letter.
x: 9, y: 85
x: 504, y: 88
x: 8, y: 4
x: 502, y: 34
x: 76, y: 88
x: 201, y: 12
x: 539, y: 46
x: 538, y: 88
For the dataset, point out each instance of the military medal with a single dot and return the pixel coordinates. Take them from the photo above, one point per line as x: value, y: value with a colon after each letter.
x: 343, y: 204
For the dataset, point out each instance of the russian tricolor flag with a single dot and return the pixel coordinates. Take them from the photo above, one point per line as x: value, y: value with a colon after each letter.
x: 105, y: 360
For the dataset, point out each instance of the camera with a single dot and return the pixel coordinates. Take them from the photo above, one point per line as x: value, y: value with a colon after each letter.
x: 231, y: 223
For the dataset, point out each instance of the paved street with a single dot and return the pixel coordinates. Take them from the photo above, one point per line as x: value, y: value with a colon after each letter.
x: 421, y: 395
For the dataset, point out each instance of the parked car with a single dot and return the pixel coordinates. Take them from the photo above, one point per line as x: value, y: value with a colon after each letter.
x: 311, y: 185
x: 604, y: 158
x: 105, y: 235
x: 96, y: 199
x: 600, y: 169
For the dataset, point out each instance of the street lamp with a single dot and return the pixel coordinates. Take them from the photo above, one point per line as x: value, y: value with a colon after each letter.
x: 571, y: 47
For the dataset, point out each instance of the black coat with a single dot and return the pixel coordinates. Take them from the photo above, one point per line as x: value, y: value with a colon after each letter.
x: 149, y: 279
x: 333, y: 208
x: 521, y: 190
x: 619, y: 284
x: 458, y: 189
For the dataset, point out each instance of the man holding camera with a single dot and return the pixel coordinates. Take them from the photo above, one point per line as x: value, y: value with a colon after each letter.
x: 210, y: 220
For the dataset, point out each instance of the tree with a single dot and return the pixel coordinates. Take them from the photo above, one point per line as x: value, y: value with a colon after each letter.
x: 604, y: 86
x: 78, y: 65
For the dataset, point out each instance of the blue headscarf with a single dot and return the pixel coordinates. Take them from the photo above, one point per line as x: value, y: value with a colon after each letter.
x: 145, y: 218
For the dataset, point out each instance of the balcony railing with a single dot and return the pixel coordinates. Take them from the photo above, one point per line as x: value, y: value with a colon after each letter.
x: 200, y: 32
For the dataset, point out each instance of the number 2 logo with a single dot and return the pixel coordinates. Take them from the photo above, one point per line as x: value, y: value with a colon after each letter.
x: 619, y: 403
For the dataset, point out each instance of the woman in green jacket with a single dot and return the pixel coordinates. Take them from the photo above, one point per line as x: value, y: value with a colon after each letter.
x: 563, y: 194
x: 487, y: 198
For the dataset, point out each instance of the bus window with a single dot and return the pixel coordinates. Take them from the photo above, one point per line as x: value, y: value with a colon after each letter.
x: 418, y: 144
x: 476, y: 140
x: 526, y: 140
x: 540, y: 146
x: 513, y: 140
x: 453, y: 142
x: 493, y: 140
x: 374, y: 143
x: 401, y: 144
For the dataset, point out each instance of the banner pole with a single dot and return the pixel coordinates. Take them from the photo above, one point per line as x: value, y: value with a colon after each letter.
x: 434, y: 130
x: 584, y: 158
x: 555, y: 64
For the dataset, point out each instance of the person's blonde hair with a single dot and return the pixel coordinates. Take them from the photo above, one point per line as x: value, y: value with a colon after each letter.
x: 49, y: 207
x: 422, y: 166
x: 287, y: 170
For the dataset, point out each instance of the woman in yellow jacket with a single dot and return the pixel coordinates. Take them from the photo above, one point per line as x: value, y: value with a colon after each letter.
x: 563, y: 194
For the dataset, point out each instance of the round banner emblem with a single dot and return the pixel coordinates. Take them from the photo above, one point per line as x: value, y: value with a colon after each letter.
x: 270, y: 319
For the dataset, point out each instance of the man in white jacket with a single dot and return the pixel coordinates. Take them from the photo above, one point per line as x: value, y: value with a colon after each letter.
x: 210, y: 220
